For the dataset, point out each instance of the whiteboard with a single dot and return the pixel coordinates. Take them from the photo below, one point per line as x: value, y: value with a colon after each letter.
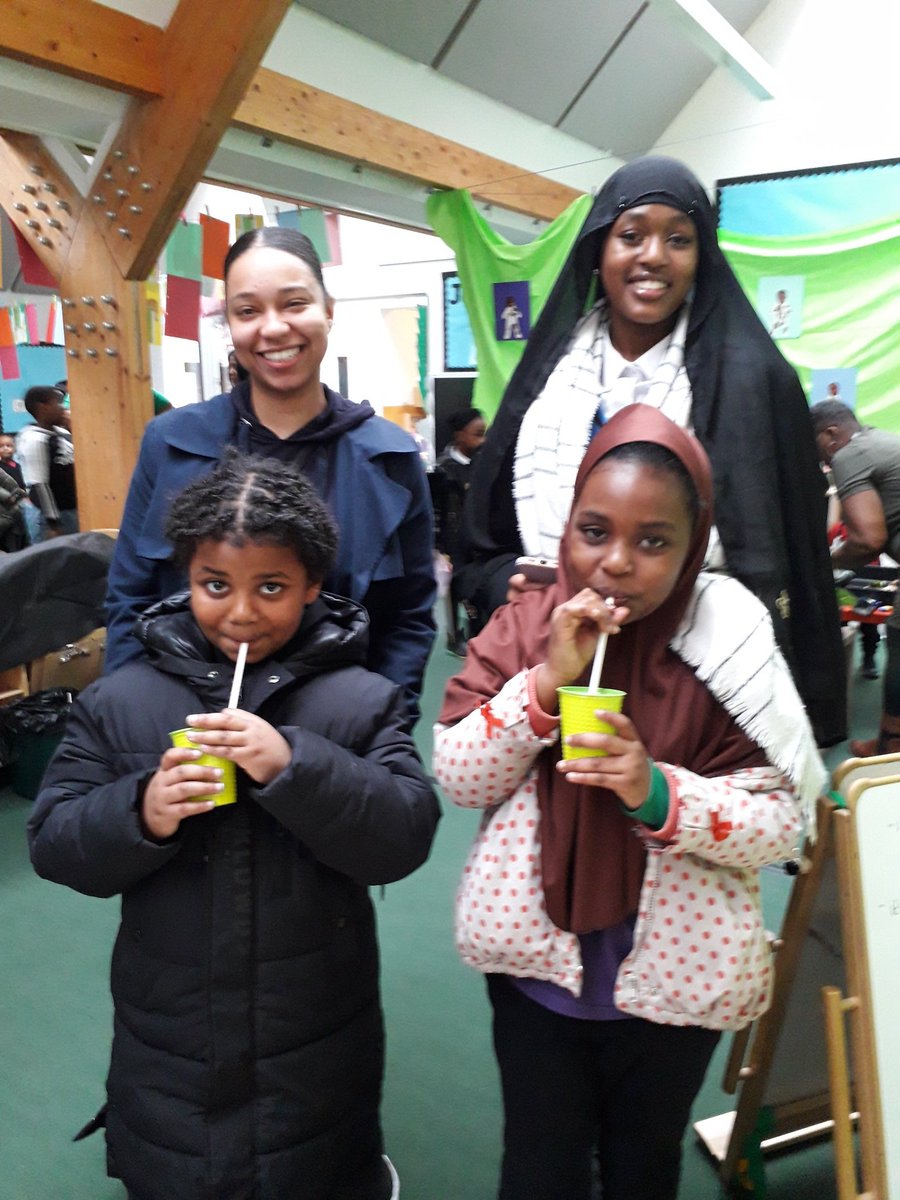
x: 876, y: 811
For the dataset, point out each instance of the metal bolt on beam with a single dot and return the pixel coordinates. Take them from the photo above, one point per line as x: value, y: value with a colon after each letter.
x: 111, y: 300
x: 112, y: 352
x: 29, y: 188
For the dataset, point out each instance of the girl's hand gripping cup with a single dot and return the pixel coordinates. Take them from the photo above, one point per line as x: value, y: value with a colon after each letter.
x: 577, y: 709
x: 228, y: 794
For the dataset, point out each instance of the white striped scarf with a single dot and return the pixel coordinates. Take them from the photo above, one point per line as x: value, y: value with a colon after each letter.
x: 555, y: 431
x: 726, y: 638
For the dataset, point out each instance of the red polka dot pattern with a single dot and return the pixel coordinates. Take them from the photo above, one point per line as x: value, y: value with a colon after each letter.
x: 700, y: 953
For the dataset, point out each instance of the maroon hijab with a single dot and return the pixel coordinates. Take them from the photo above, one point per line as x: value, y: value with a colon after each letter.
x: 592, y: 860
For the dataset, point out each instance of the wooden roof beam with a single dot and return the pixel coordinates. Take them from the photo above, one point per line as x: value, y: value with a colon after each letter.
x: 164, y: 145
x: 284, y: 108
x: 88, y: 41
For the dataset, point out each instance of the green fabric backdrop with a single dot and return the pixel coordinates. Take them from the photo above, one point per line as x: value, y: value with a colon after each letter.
x: 483, y: 258
x: 851, y: 306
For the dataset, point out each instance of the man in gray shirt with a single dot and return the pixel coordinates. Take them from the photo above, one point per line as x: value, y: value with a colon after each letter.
x: 865, y: 463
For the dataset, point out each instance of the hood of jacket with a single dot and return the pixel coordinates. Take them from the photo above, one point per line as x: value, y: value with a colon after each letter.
x: 334, y: 633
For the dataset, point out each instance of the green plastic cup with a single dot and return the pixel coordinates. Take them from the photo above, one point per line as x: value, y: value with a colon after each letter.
x: 228, y: 795
x: 577, y: 709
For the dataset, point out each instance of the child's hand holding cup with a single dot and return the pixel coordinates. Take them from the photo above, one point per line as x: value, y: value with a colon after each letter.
x: 578, y: 708
x: 187, y: 739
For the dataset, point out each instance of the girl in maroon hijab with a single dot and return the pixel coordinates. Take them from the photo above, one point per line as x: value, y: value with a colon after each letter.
x: 614, y: 901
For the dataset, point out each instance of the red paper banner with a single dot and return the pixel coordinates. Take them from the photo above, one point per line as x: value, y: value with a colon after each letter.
x: 9, y: 358
x: 183, y: 308
x: 33, y: 270
x: 215, y: 246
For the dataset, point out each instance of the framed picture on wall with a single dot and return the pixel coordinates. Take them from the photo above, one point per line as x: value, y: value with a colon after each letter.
x: 459, y: 344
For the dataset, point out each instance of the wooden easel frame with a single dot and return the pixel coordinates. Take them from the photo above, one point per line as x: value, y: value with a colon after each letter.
x: 753, y: 1051
x: 750, y: 1062
x: 857, y: 1008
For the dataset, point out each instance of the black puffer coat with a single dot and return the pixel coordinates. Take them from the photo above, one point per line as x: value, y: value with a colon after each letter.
x: 248, y: 1051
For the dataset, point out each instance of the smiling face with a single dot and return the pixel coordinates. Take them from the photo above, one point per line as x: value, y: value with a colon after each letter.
x: 279, y: 318
x: 253, y: 593
x: 630, y: 534
x: 7, y: 446
x: 647, y: 266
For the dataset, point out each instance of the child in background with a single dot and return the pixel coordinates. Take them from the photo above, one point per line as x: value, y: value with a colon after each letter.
x: 614, y: 901
x: 248, y: 1050
x: 14, y: 502
x: 449, y: 484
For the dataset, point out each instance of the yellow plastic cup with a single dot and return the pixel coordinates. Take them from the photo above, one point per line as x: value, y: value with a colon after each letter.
x: 228, y: 795
x: 577, y: 708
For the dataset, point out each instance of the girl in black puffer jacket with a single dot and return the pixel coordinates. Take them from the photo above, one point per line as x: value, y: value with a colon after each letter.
x: 248, y: 1051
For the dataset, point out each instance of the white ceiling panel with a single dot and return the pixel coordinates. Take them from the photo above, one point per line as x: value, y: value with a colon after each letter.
x: 536, y: 56
x: 412, y: 27
x: 613, y: 73
x: 644, y: 84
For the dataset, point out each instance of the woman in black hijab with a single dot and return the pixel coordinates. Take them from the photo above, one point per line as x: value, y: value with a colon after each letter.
x: 647, y: 309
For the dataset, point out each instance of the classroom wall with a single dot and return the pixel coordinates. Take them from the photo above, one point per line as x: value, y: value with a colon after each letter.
x: 838, y: 98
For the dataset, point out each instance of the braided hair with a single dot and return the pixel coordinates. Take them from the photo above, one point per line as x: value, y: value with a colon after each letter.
x: 257, y: 500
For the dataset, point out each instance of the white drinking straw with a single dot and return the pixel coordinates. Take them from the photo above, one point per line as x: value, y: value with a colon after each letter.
x: 238, y: 674
x: 597, y: 665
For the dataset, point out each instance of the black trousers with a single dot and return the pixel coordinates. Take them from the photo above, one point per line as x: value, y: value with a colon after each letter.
x: 585, y: 1095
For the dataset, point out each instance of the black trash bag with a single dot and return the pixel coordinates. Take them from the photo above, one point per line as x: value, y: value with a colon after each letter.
x: 43, y: 714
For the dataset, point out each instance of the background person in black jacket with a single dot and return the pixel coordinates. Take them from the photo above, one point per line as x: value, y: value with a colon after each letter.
x: 47, y: 459
x: 449, y: 483
x: 248, y: 1052
x: 647, y: 310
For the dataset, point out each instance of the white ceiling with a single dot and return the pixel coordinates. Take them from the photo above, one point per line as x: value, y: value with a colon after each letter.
x: 612, y: 73
x: 564, y: 87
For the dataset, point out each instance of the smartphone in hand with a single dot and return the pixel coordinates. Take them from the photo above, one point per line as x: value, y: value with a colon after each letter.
x: 537, y: 570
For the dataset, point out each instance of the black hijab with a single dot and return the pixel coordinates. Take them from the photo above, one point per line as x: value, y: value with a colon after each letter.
x: 748, y: 411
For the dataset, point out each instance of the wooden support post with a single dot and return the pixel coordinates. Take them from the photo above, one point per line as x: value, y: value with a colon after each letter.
x: 195, y: 73
x: 107, y: 360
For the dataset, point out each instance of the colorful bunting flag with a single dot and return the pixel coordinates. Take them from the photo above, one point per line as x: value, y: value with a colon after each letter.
x: 244, y: 222
x: 31, y: 320
x: 183, y: 307
x: 33, y: 270
x: 215, y: 246
x: 184, y: 251
x: 154, y: 323
x: 9, y: 357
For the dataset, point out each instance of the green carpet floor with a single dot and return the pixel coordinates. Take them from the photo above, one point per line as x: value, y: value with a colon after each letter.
x: 441, y: 1108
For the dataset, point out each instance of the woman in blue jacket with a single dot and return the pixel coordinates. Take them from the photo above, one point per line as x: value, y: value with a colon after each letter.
x: 366, y: 470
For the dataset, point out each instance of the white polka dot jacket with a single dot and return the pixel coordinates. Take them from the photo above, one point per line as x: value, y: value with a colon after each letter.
x: 700, y: 954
